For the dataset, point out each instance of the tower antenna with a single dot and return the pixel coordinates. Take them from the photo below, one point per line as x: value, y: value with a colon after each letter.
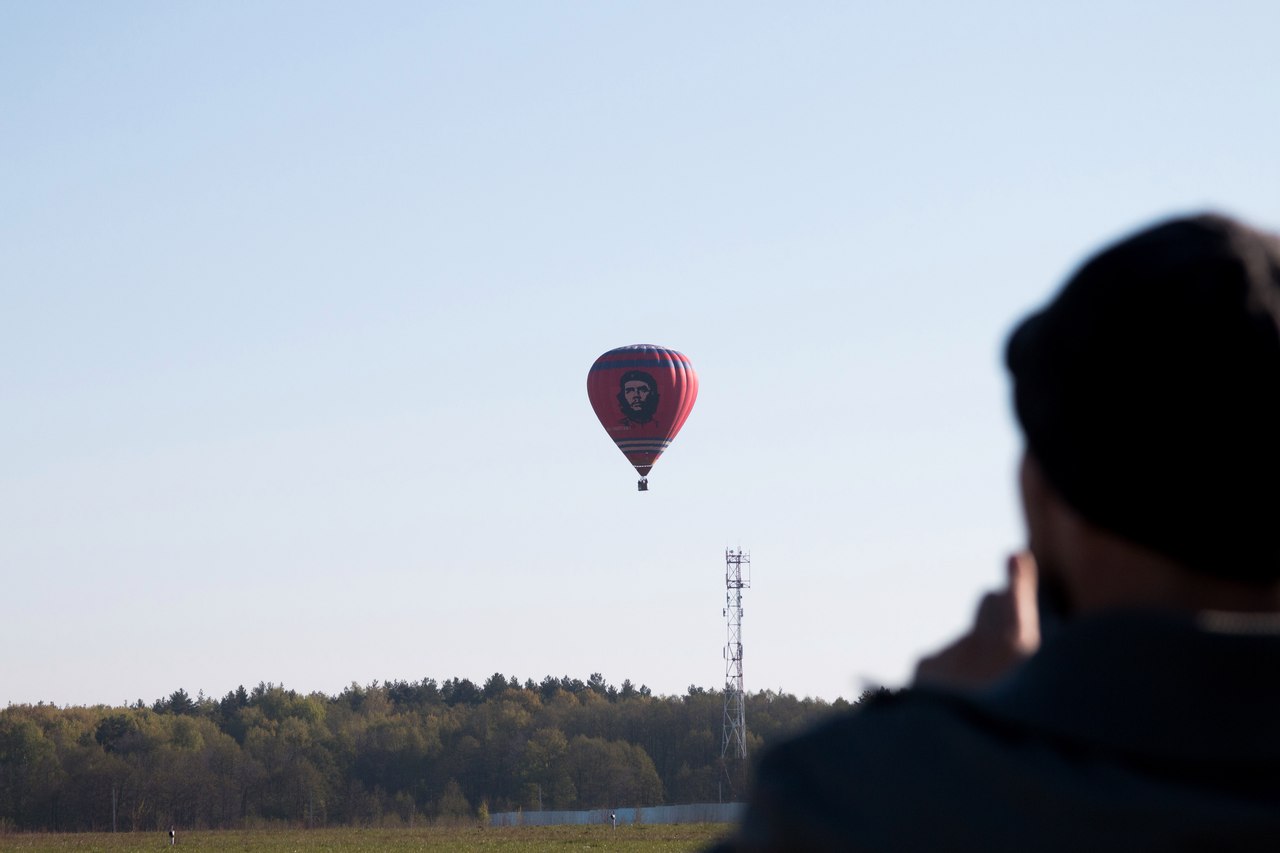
x: 734, y: 744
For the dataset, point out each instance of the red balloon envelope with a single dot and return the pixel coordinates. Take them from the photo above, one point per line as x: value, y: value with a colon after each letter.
x: 642, y: 394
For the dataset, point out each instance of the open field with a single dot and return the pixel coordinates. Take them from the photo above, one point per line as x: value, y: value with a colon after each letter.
x: 625, y: 839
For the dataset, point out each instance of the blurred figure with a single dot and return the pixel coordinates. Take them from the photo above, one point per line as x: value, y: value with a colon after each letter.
x: 1120, y: 693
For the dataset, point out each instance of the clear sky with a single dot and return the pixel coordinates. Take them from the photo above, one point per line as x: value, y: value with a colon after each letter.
x: 297, y: 302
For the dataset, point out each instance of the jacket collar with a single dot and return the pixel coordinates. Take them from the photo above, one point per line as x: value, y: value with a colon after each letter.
x: 1153, y: 685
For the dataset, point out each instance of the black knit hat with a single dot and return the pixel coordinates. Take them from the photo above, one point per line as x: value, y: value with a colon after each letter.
x: 1149, y: 391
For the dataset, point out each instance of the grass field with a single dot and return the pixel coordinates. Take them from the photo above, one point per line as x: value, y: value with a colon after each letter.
x: 515, y: 839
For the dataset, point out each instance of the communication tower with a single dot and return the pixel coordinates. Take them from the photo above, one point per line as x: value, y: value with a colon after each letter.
x: 734, y: 744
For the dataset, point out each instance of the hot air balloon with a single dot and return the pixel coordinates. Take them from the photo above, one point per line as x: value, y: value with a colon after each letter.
x: 642, y: 395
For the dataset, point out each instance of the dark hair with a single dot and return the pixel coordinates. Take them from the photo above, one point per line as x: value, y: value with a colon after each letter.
x: 1149, y: 391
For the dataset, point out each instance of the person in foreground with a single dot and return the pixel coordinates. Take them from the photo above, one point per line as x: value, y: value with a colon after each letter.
x: 1123, y: 691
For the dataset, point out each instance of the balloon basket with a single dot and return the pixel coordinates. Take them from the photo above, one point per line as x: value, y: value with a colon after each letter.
x: 643, y: 485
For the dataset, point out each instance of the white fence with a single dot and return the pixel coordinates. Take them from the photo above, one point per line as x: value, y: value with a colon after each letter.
x: 691, y: 813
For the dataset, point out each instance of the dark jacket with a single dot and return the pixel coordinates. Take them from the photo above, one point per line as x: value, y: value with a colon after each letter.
x: 1125, y: 732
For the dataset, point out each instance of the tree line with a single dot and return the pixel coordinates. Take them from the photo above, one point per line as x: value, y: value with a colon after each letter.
x: 392, y: 753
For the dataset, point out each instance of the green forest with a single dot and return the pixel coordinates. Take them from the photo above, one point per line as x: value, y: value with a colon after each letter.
x: 385, y: 754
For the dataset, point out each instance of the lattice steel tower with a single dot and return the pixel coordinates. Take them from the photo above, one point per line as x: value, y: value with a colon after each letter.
x: 734, y: 744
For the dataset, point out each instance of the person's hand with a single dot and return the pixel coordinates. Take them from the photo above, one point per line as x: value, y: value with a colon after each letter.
x: 1005, y: 632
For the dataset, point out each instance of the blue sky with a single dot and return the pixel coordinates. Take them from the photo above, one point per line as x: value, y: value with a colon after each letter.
x: 297, y: 302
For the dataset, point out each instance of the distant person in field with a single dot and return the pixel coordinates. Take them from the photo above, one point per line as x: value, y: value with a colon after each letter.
x: 1120, y: 693
x: 173, y: 837
x: 637, y: 399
